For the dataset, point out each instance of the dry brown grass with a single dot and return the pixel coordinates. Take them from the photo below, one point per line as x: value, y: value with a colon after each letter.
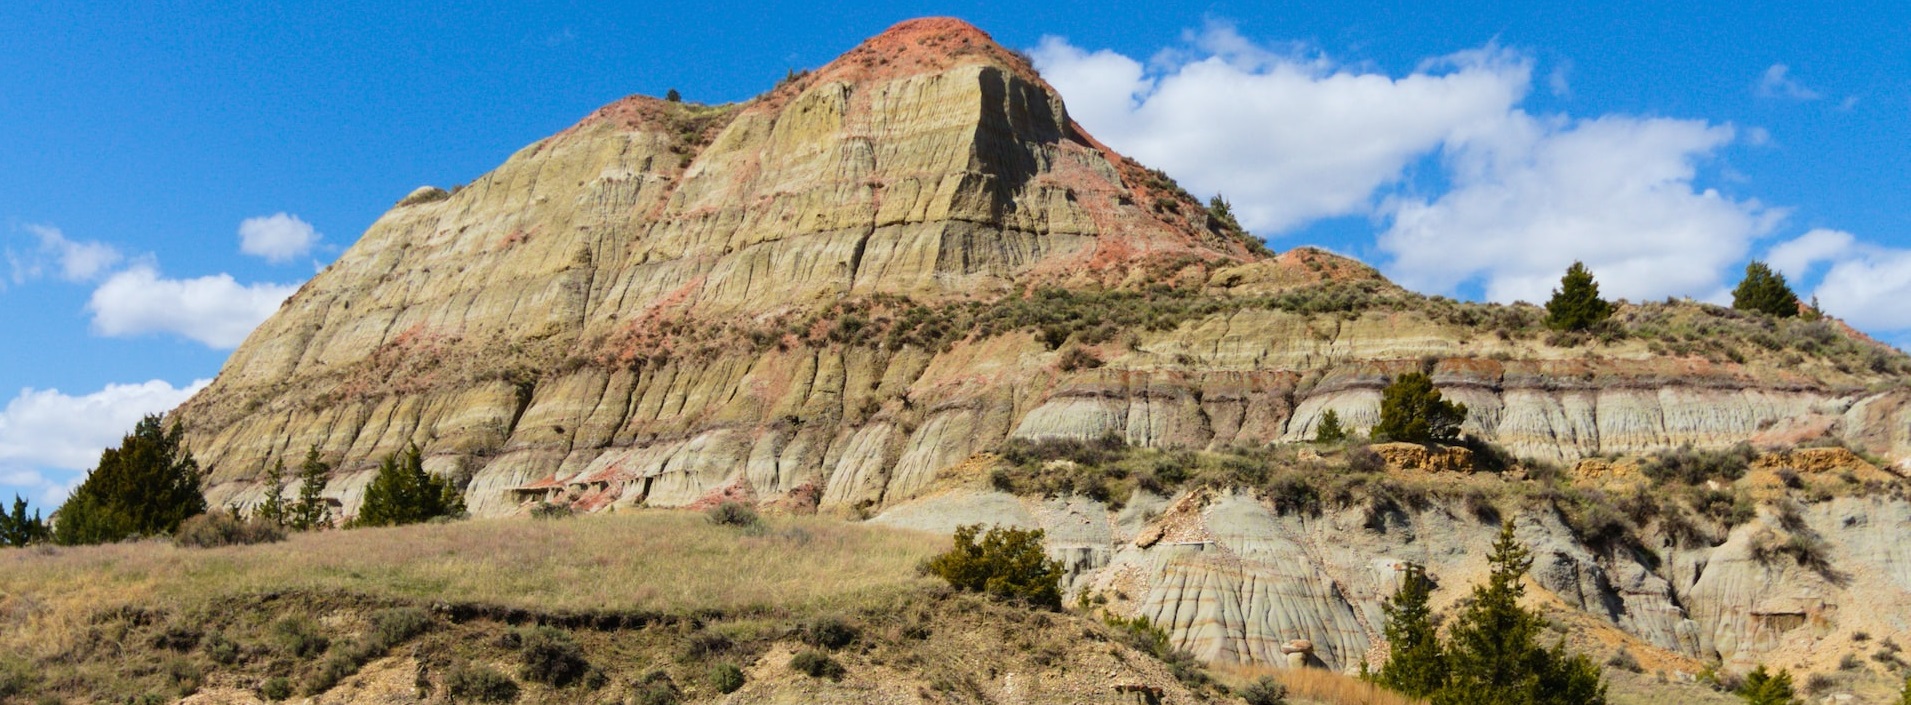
x: 671, y: 562
x: 1314, y: 685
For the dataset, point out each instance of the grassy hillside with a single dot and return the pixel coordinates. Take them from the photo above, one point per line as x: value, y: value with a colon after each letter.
x: 645, y: 607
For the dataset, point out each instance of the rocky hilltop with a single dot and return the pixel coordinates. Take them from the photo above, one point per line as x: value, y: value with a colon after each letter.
x: 844, y: 294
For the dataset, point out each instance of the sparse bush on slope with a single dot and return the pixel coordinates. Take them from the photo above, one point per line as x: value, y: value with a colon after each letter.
x: 1007, y: 563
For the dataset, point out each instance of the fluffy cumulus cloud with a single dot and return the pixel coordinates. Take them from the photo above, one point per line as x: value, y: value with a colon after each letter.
x: 1287, y: 138
x: 214, y: 310
x: 1529, y: 196
x: 278, y: 237
x: 54, y: 254
x: 1292, y: 138
x: 1863, y: 283
x: 47, y: 436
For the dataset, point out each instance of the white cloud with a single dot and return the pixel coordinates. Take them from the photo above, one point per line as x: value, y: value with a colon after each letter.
x: 1288, y: 139
x: 278, y: 237
x: 74, y: 261
x: 44, y: 432
x: 1530, y: 196
x: 1865, y: 284
x: 214, y: 310
x: 1778, y: 83
x: 1796, y: 257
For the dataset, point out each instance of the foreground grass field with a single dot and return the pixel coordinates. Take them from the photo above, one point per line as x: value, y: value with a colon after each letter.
x: 640, y: 607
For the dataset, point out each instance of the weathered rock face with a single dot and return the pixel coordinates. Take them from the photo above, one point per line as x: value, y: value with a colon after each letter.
x: 666, y: 299
x: 1235, y: 580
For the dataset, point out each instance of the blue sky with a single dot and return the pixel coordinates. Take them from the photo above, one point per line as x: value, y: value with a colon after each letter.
x: 169, y: 171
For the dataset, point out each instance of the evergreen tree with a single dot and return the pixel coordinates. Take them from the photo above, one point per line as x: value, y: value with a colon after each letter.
x: 1415, y: 664
x: 1904, y: 694
x: 1493, y: 655
x: 403, y: 493
x: 1763, y: 687
x: 1222, y: 213
x: 1576, y: 304
x: 1330, y: 430
x: 673, y: 96
x: 310, y: 511
x: 145, y: 487
x: 1412, y: 411
x: 272, y: 509
x: 1765, y: 291
x: 18, y: 530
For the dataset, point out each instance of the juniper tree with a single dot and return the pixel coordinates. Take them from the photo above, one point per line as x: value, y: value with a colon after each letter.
x: 1764, y: 291
x: 1330, y: 430
x: 1412, y: 411
x: 403, y: 493
x: 1576, y: 304
x: 310, y: 511
x: 1416, y: 665
x: 272, y: 508
x: 144, y: 487
x: 17, y: 529
x: 1762, y: 687
x: 1007, y: 562
x: 1493, y: 652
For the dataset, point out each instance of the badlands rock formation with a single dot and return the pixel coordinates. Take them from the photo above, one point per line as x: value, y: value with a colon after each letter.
x: 830, y: 295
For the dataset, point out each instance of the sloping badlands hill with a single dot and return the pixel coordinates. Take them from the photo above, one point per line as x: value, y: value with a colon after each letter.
x: 844, y: 294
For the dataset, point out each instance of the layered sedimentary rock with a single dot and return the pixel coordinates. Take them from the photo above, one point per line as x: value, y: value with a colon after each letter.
x: 1236, y: 580
x: 830, y: 296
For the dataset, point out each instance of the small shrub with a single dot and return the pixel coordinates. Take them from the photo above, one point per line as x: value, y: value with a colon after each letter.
x: 222, y: 650
x: 656, y: 688
x: 726, y: 678
x: 1625, y: 661
x: 184, y: 675
x: 334, y: 668
x: 1850, y: 662
x: 479, y: 682
x: 1265, y: 691
x: 816, y: 663
x: 828, y: 633
x: 1007, y: 563
x: 1361, y: 459
x: 276, y: 688
x: 703, y: 646
x: 1693, y: 467
x: 735, y: 514
x: 1077, y: 358
x: 298, y: 636
x: 549, y: 510
x: 1817, y: 683
x: 1294, y: 494
x: 220, y: 528
x: 549, y: 656
x: 391, y: 627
